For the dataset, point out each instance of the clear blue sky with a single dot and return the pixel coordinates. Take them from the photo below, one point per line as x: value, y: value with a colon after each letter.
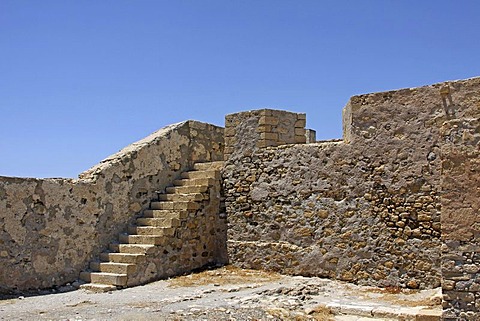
x: 79, y: 80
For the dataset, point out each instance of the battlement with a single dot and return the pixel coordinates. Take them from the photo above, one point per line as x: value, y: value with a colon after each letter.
x: 395, y: 202
x: 262, y: 128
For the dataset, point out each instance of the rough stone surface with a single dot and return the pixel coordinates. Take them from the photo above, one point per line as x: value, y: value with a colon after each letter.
x: 308, y: 210
x: 228, y: 294
x: 51, y: 228
x: 251, y: 130
x: 460, y: 213
x: 366, y: 209
x: 394, y: 203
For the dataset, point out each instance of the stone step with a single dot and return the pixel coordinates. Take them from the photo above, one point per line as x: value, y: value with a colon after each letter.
x: 158, y: 225
x: 98, y: 288
x: 111, y: 267
x: 192, y: 197
x: 166, y: 205
x: 201, y: 174
x: 131, y: 248
x: 122, y: 258
x: 143, y: 239
x: 217, y: 165
x: 194, y: 181
x: 156, y: 222
x: 187, y: 189
x: 180, y: 214
x: 104, y: 278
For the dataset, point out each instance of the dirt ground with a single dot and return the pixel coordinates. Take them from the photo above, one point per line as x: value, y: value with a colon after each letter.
x: 231, y: 294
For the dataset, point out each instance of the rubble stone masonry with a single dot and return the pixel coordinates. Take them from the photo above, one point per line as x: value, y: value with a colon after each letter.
x: 263, y: 128
x: 393, y: 203
x: 365, y: 209
x: 52, y: 228
x: 460, y: 217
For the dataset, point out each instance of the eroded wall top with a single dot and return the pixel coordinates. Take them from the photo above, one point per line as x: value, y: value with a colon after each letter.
x: 52, y: 228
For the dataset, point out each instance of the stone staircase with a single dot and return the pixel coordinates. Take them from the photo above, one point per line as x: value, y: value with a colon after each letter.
x: 172, y: 237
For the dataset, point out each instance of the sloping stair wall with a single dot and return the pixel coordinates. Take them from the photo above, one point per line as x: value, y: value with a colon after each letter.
x: 183, y: 230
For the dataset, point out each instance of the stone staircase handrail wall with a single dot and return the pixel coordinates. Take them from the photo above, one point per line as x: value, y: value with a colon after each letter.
x: 51, y: 228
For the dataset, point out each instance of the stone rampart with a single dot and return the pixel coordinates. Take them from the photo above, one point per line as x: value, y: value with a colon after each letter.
x: 365, y: 209
x: 52, y: 228
x: 394, y: 203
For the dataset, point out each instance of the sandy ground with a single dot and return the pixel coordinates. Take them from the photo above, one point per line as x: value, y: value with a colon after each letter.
x: 231, y: 294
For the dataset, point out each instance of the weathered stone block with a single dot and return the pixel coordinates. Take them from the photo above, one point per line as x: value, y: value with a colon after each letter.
x: 266, y: 143
x: 310, y: 135
x: 264, y: 128
x: 269, y: 136
x: 301, y: 123
x: 299, y: 132
x: 268, y: 120
x: 300, y: 139
x: 266, y: 112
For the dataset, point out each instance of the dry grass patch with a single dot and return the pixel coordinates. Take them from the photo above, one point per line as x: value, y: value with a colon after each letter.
x: 225, y: 275
x: 428, y: 302
x: 404, y: 297
x: 318, y: 313
x: 322, y: 313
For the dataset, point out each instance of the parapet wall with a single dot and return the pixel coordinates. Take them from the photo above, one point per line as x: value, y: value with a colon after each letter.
x: 365, y: 209
x: 52, y: 228
x: 250, y: 130
x: 395, y: 203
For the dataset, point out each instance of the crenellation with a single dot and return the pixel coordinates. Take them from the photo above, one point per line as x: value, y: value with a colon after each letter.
x: 394, y: 203
x: 310, y: 136
x: 264, y: 128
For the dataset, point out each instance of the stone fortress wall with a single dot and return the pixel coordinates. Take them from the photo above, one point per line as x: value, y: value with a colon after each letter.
x: 366, y: 209
x: 51, y: 228
x: 394, y: 203
x: 369, y: 208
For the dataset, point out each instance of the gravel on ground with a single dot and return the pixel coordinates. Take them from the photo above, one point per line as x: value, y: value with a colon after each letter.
x: 230, y: 293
